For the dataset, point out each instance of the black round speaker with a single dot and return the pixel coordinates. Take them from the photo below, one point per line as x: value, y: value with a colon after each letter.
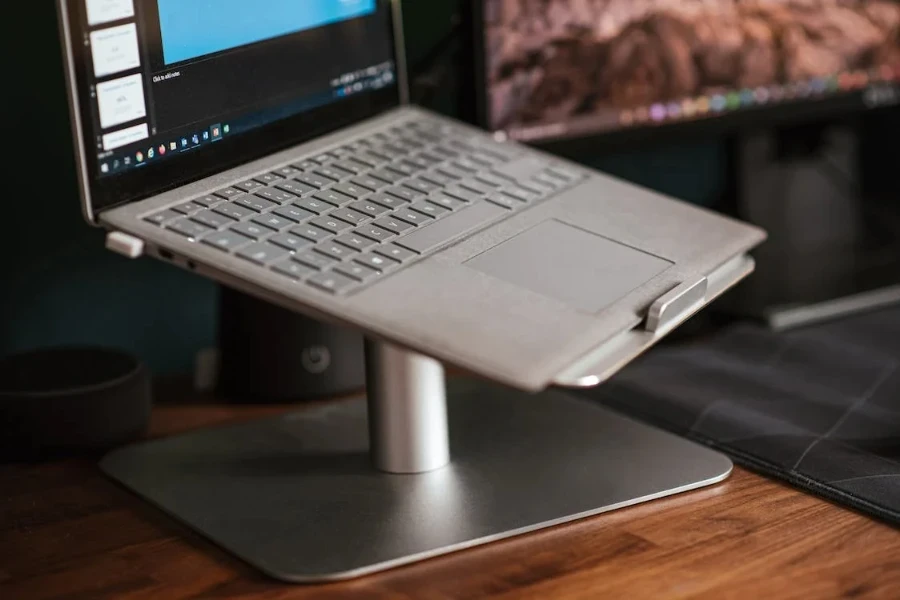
x: 64, y: 401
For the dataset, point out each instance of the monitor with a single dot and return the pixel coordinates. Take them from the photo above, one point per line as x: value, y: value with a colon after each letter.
x: 555, y: 70
x: 169, y: 90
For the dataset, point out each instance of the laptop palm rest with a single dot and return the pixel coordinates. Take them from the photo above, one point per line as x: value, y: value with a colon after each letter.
x: 573, y: 265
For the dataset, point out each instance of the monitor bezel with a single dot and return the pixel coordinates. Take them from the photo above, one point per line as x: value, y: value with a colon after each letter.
x: 102, y: 193
x: 636, y: 137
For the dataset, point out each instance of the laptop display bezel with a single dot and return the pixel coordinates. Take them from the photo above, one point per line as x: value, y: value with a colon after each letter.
x: 102, y: 193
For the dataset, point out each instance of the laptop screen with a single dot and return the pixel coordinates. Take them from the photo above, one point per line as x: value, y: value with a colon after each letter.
x: 174, y: 90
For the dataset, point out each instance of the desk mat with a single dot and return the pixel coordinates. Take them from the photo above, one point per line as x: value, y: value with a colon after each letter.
x: 817, y: 407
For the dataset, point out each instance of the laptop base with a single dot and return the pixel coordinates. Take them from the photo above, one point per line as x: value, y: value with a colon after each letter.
x: 297, y: 496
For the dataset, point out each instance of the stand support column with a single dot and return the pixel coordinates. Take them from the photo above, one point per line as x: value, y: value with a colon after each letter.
x: 407, y: 400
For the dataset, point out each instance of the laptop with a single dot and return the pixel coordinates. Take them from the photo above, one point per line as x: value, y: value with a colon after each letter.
x: 275, y: 151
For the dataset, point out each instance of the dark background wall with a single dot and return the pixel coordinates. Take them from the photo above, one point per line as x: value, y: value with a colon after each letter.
x: 57, y: 283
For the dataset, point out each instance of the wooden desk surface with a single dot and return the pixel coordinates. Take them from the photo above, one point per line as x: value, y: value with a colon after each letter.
x: 67, y: 532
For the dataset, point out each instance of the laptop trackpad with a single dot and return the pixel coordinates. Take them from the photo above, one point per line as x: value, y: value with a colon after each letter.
x: 582, y: 269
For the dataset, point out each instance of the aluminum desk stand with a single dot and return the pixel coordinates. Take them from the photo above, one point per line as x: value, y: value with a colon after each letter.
x: 346, y: 489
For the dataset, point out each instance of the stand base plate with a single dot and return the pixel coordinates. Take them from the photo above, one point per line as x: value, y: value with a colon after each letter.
x: 296, y: 495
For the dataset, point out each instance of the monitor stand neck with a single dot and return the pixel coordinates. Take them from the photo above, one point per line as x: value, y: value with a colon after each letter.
x: 407, y: 401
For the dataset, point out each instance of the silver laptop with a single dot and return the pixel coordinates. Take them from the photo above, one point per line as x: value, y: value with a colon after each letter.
x: 276, y: 153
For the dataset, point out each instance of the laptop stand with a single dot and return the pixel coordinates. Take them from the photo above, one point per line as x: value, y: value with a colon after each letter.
x: 302, y: 498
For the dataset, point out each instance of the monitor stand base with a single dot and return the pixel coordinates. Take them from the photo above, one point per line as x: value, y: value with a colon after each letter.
x: 298, y: 497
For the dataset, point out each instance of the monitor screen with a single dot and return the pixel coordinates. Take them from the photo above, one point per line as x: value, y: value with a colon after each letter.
x: 557, y: 69
x: 162, y: 81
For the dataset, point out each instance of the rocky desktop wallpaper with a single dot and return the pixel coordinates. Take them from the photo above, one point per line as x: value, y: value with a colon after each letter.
x: 552, y: 60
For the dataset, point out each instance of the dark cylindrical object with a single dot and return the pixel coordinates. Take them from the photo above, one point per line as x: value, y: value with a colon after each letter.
x: 64, y: 401
x: 271, y: 355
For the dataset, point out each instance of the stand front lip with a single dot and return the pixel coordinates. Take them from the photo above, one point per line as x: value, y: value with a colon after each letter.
x: 668, y: 312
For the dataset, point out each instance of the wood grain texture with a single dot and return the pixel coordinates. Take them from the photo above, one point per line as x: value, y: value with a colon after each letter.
x: 67, y: 532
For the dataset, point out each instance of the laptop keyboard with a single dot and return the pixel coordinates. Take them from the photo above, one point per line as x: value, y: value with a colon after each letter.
x: 343, y: 219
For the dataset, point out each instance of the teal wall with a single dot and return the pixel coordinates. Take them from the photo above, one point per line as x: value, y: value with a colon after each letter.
x: 57, y: 283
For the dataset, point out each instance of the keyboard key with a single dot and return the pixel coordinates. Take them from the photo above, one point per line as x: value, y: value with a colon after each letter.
x: 405, y: 193
x: 349, y: 215
x: 375, y: 261
x: 162, y: 217
x: 293, y: 269
x: 490, y: 180
x: 429, y: 208
x: 448, y: 152
x: 519, y: 194
x: 354, y: 241
x: 387, y: 176
x: 313, y: 179
x: 351, y: 189
x: 429, y: 159
x: 333, y: 282
x: 520, y: 169
x: 226, y: 240
x: 547, y: 180
x: 341, y: 152
x: 255, y: 202
x: 333, y: 250
x: 251, y: 230
x: 404, y: 169
x: 370, y: 208
x: 306, y: 165
x: 286, y: 171
x: 294, y: 213
x: 330, y: 224
x: 357, y: 271
x: 311, y: 232
x: 290, y: 241
x: 208, y: 201
x: 315, y: 260
x: 374, y: 232
x: 276, y: 195
x: 438, y: 178
x: 268, y: 178
x: 332, y: 172
x: 503, y: 200
x: 370, y: 158
x: 249, y: 185
x: 473, y: 185
x: 448, y: 202
x: 314, y: 205
x: 332, y: 197
x: 386, y: 200
x: 188, y: 228
x: 464, y: 164
x: 188, y: 208
x: 416, y: 162
x: 212, y: 219
x: 420, y: 185
x: 350, y: 166
x: 565, y: 173
x: 452, y: 172
x: 323, y: 158
x: 370, y: 183
x: 451, y: 228
x: 462, y: 194
x: 228, y: 193
x: 392, y: 224
x: 412, y: 217
x: 262, y: 253
x: 295, y: 187
x: 395, y: 252
x: 273, y: 221
x: 234, y: 210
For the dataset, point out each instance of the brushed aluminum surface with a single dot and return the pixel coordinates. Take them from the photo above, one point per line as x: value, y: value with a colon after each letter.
x: 297, y: 496
x: 407, y: 399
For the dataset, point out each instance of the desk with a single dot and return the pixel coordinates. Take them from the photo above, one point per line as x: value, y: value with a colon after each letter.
x: 68, y: 532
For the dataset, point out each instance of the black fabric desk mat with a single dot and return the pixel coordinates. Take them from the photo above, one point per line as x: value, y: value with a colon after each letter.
x: 817, y: 407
